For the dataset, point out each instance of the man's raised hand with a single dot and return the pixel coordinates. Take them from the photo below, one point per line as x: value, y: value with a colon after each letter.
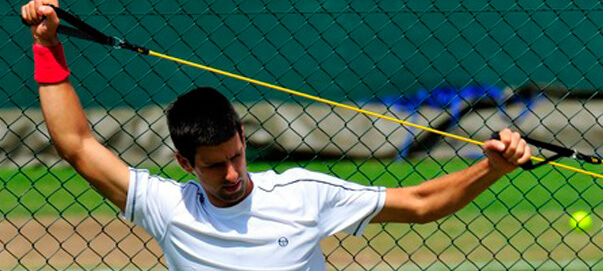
x: 43, y: 20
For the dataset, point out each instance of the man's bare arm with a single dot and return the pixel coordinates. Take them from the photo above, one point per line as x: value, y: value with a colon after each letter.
x: 445, y: 195
x: 67, y: 123
x: 74, y: 141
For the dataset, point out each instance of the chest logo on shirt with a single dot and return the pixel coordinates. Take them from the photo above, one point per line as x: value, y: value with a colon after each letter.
x: 283, y: 241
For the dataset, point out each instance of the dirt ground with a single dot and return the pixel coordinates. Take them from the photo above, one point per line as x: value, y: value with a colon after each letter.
x: 76, y: 243
x: 90, y: 243
x: 109, y: 243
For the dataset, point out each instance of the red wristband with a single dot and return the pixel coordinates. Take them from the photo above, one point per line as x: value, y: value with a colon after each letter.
x: 50, y: 64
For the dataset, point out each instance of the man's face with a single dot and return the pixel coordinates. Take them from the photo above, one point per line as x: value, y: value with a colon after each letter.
x: 222, y: 171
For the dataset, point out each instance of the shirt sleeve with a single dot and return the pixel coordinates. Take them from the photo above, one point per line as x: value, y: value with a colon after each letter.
x: 345, y: 206
x: 150, y: 201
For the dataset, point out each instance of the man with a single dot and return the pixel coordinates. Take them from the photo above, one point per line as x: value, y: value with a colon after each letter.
x: 231, y: 219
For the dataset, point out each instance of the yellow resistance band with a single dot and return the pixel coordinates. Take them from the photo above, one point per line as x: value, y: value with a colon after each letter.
x: 356, y: 109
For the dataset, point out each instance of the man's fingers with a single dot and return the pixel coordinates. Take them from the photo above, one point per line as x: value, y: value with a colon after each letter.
x: 514, y: 149
x: 494, y: 146
x: 34, y: 12
x: 36, y: 7
x: 518, y: 152
x: 47, y: 11
x: 505, y: 136
x: 509, y: 153
x: 527, y: 154
x: 31, y: 11
x: 505, y: 139
x: 24, y: 13
x: 52, y: 19
x: 50, y: 2
x: 521, y: 146
x: 30, y: 14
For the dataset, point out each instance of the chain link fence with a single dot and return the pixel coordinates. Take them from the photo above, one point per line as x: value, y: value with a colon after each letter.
x: 469, y: 68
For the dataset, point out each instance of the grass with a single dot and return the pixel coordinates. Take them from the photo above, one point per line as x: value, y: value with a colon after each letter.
x: 60, y: 191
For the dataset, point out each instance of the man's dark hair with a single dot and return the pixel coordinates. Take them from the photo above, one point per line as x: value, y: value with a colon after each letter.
x: 201, y: 117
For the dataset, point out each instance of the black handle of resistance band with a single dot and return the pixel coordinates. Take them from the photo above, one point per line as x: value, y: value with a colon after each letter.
x: 559, y: 150
x: 84, y: 31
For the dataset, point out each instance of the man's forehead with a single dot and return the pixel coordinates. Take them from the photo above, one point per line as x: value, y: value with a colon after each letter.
x: 219, y: 153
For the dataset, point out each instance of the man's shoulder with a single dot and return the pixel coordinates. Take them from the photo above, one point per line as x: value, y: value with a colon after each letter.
x: 143, y: 176
x: 292, y: 174
x: 293, y: 178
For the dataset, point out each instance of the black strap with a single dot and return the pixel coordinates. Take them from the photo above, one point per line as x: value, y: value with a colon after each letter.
x: 559, y: 152
x: 83, y: 27
x: 84, y: 31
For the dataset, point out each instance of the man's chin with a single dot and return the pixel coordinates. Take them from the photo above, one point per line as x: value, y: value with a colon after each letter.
x: 236, y: 194
x: 233, y: 189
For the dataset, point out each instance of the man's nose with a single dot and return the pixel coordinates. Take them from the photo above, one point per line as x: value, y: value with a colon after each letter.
x: 231, y: 173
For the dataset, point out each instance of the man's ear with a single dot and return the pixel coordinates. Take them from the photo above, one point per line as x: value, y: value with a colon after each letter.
x: 184, y: 163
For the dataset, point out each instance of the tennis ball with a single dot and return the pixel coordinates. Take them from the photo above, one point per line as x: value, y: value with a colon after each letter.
x: 580, y: 221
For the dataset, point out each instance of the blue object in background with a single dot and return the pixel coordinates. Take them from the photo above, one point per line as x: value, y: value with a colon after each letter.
x: 452, y: 99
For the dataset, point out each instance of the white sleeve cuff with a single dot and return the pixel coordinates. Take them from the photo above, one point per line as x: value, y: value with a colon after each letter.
x: 366, y: 220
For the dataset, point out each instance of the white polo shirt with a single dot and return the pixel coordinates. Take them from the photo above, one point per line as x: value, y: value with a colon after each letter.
x: 279, y: 226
